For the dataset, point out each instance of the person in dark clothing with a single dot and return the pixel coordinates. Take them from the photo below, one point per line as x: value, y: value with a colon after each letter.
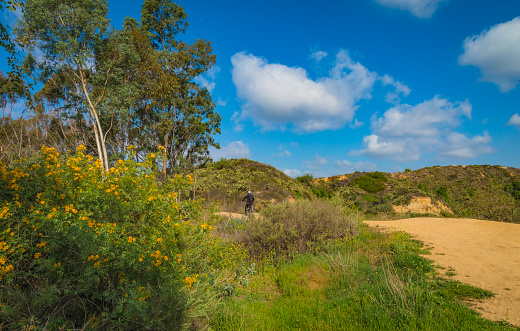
x: 249, y: 202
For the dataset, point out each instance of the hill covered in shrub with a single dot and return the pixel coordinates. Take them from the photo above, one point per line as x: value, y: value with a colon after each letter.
x: 228, y: 180
x: 477, y: 191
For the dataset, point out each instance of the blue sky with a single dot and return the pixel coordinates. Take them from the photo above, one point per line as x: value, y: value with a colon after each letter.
x: 333, y: 87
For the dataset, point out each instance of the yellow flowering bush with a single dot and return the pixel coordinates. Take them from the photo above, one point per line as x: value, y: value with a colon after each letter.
x: 81, y: 247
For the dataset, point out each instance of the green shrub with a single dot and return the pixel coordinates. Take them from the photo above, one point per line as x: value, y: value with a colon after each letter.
x: 83, y: 248
x: 442, y: 192
x: 372, y: 182
x: 306, y: 179
x: 297, y: 227
x: 513, y: 188
x: 223, y: 163
x: 369, y: 198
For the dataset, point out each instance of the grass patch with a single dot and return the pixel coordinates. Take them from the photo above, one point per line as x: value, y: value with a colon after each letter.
x: 370, y: 281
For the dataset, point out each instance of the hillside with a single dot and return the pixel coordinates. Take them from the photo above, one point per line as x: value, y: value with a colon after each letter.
x: 228, y: 180
x: 478, y: 191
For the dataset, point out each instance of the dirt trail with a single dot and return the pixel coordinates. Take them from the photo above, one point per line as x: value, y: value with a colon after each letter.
x: 235, y: 215
x: 483, y: 253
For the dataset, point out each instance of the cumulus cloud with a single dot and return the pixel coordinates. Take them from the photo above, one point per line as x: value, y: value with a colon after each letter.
x: 460, y: 146
x: 319, y: 55
x: 405, y: 133
x: 514, y: 121
x: 348, y: 167
x: 236, y: 149
x: 419, y: 8
x: 292, y: 172
x: 277, y: 96
x: 399, y: 89
x: 423, y: 120
x: 496, y: 52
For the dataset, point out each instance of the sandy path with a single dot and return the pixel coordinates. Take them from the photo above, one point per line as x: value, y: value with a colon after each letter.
x: 483, y: 253
x: 225, y: 214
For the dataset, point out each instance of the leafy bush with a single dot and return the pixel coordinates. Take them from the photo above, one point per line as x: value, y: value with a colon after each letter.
x: 305, y: 179
x: 86, y: 248
x: 442, y: 192
x: 372, y: 182
x: 297, y: 227
x: 223, y: 163
x: 369, y: 198
x: 513, y: 188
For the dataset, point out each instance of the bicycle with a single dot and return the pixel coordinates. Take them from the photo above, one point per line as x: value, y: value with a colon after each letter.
x: 249, y: 210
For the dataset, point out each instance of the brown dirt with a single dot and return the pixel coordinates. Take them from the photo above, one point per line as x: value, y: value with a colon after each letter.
x: 422, y: 205
x: 485, y: 254
x: 235, y: 215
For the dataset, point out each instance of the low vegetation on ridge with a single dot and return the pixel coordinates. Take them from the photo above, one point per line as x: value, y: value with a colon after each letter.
x: 477, y: 191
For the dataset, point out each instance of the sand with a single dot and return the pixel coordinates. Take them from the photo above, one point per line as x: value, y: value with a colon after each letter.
x: 483, y: 253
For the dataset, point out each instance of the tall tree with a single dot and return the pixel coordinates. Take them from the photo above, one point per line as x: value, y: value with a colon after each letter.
x: 178, y: 110
x: 67, y: 34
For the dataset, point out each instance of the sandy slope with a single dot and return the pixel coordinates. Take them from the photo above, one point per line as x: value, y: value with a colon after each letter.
x: 483, y: 253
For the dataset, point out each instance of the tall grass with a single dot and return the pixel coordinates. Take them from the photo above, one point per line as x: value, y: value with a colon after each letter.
x: 370, y: 281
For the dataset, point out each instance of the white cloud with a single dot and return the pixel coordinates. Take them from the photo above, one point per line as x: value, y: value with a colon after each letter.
x: 405, y: 133
x: 348, y: 167
x: 496, y: 52
x: 514, y: 121
x: 221, y: 102
x: 356, y: 124
x: 276, y: 96
x: 207, y: 80
x: 459, y: 146
x: 419, y: 8
x: 319, y: 55
x: 292, y: 172
x: 424, y: 119
x: 400, y: 88
x: 283, y: 153
x: 236, y: 149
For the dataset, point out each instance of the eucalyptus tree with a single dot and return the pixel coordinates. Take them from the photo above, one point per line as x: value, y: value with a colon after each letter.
x: 176, y: 110
x: 67, y: 34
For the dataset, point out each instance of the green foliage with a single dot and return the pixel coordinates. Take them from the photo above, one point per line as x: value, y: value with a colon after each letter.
x: 306, y: 179
x: 223, y: 163
x: 369, y: 198
x: 442, y: 192
x: 83, y: 248
x: 322, y: 192
x: 372, y: 182
x: 108, y: 88
x: 513, y: 188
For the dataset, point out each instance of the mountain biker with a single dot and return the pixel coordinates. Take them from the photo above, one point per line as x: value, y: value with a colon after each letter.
x: 249, y: 201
